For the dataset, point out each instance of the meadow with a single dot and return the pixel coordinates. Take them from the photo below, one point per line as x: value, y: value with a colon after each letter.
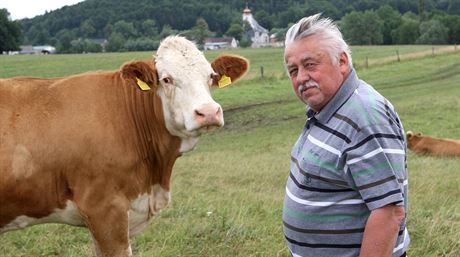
x: 227, y: 194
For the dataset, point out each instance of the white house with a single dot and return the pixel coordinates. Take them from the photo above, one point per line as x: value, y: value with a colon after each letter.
x: 212, y: 43
x: 46, y: 49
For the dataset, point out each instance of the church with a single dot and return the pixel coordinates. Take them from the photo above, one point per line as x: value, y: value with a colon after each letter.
x: 258, y: 34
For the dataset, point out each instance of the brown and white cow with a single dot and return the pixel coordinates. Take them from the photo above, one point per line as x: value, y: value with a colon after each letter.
x: 96, y: 150
x: 422, y: 144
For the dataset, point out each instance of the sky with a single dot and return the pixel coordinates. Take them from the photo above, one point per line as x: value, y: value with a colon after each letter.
x: 20, y: 9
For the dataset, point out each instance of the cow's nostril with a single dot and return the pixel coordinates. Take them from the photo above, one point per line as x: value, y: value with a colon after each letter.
x: 200, y: 114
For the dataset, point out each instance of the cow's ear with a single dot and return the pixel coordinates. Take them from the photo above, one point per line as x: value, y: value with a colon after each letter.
x: 141, y: 74
x: 409, y: 134
x: 231, y: 66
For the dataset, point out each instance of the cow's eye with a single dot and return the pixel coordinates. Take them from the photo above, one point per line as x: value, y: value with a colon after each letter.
x: 168, y: 80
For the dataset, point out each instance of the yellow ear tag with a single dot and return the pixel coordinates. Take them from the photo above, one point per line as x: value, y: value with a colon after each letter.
x: 224, y: 81
x: 142, y: 85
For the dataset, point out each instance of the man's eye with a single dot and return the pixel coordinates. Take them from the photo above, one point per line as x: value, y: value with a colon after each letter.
x: 292, y: 72
x: 310, y: 65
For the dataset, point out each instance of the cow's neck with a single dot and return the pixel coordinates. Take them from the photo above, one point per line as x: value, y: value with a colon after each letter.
x: 156, y: 147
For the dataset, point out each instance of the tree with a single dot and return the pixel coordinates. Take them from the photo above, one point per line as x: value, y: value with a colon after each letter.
x: 236, y: 31
x: 141, y: 44
x: 391, y: 21
x: 64, y: 38
x: 87, y: 29
x: 10, y: 32
x: 454, y: 7
x: 85, y: 46
x: 108, y: 29
x: 328, y: 8
x: 200, y: 31
x: 245, y: 41
x: 38, y: 34
x: 149, y: 28
x: 452, y: 23
x: 264, y: 19
x: 408, y: 31
x: 432, y: 32
x: 116, y: 42
x: 421, y: 10
x: 292, y: 14
x: 126, y: 29
x: 362, y: 28
x: 167, y: 31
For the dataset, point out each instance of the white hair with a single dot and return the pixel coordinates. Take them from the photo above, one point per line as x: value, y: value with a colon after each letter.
x: 330, y: 35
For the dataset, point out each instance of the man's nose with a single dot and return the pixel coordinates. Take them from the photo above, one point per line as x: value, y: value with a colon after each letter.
x: 303, y: 76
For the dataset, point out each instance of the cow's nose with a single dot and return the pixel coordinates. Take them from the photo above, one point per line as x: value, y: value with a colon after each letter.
x: 209, y: 115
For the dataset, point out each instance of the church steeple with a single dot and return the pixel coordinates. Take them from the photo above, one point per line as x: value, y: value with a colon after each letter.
x: 258, y: 34
x: 247, y: 10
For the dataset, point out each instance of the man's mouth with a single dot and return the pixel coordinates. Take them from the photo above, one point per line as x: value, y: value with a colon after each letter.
x: 307, y: 85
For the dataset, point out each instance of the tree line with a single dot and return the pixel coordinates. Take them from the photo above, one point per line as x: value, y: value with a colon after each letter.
x: 127, y: 25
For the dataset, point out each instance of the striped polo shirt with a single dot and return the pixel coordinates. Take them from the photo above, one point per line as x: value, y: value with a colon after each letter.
x: 349, y: 160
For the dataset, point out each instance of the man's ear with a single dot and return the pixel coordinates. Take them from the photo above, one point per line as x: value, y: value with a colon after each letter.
x: 231, y: 66
x: 141, y: 74
x: 344, y: 63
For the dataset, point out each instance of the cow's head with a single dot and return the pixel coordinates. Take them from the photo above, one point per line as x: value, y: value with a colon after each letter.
x: 183, y: 80
x: 413, y: 138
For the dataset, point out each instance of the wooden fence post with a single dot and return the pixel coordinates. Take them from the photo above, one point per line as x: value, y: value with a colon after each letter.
x: 367, y: 62
x: 262, y: 72
x: 397, y: 54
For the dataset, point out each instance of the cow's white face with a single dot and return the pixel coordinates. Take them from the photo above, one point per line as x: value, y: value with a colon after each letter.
x: 185, y: 78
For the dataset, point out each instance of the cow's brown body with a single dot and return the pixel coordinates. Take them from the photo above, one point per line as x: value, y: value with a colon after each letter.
x: 88, y: 150
x: 422, y: 144
x: 85, y: 139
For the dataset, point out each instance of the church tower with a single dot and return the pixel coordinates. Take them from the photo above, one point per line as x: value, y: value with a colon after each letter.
x: 258, y: 34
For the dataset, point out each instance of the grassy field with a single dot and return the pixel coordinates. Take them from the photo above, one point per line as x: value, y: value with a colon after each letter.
x: 228, y: 193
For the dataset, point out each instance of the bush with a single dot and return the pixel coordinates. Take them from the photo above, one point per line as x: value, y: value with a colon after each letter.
x: 84, y: 46
x: 432, y: 33
x: 141, y: 44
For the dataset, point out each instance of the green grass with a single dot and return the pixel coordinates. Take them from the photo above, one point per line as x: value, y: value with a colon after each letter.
x: 227, y: 193
x: 271, y: 59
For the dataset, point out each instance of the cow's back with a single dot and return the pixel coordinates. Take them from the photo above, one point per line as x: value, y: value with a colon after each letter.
x: 423, y: 144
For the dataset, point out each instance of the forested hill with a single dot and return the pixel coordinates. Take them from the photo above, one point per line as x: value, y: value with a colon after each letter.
x: 152, y: 19
x: 182, y: 14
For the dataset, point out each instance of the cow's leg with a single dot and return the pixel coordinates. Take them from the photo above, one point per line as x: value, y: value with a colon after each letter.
x: 108, y: 224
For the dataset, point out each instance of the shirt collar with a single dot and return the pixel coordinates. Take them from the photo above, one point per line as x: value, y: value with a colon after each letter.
x: 345, y: 91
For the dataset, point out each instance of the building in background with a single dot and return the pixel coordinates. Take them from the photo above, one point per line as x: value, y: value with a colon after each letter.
x: 258, y: 34
x: 213, y: 43
x: 37, y: 49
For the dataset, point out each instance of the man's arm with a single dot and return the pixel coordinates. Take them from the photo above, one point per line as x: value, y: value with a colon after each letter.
x: 381, y: 231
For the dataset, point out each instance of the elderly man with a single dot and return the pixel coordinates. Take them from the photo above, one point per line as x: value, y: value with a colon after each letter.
x: 346, y: 194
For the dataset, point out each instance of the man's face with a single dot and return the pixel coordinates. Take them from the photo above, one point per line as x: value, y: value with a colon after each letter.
x: 314, y: 76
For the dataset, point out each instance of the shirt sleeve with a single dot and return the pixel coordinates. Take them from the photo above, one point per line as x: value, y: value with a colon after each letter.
x: 376, y: 164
